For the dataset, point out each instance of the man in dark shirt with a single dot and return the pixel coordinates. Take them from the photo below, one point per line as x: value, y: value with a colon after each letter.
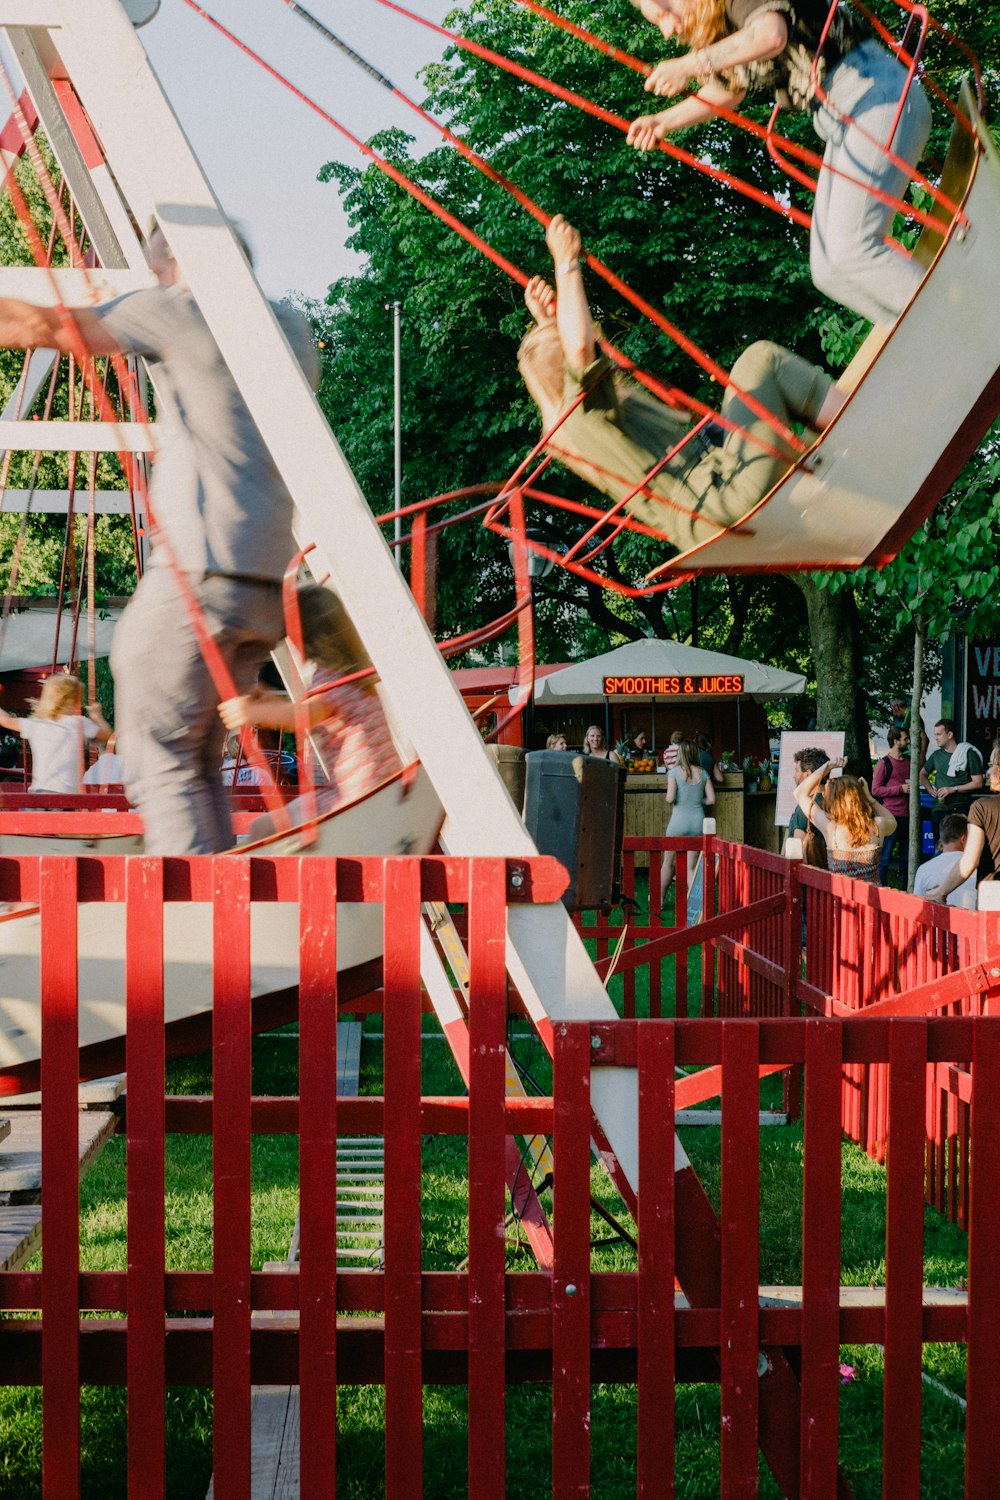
x: 981, y: 854
x: 957, y: 770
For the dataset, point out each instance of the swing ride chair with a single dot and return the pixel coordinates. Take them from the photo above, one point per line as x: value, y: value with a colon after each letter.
x: 920, y: 395
x: 87, y: 82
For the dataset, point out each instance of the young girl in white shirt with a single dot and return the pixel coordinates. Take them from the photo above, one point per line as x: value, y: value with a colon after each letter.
x: 57, y: 733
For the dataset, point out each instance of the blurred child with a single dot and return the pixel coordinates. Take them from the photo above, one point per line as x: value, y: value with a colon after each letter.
x: 348, y: 729
x: 57, y: 733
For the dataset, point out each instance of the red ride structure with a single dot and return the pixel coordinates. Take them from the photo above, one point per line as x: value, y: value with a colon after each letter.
x: 478, y: 934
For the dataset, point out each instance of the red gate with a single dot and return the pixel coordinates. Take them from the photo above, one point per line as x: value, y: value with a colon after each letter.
x: 483, y: 1326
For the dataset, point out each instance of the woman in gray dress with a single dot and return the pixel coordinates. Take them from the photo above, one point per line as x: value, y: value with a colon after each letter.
x: 689, y: 793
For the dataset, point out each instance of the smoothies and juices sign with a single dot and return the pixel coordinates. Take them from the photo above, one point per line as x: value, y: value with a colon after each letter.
x: 715, y: 685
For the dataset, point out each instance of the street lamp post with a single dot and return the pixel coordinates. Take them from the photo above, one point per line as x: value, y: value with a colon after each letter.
x: 539, y: 566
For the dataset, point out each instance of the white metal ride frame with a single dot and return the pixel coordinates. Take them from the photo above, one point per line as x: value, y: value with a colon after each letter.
x: 151, y: 168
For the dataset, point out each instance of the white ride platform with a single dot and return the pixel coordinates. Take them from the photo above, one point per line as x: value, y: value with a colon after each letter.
x: 402, y: 816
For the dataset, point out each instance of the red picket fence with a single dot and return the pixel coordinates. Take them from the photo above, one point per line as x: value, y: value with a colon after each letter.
x: 868, y: 951
x: 483, y: 1327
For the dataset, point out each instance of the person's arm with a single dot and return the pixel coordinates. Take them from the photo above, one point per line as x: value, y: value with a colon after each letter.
x: 709, y: 792
x: 23, y: 325
x: 260, y: 710
x: 975, y: 843
x: 974, y: 783
x: 104, y: 730
x: 8, y: 721
x: 806, y: 790
x: 577, y: 332
x: 671, y: 787
x: 647, y: 131
x: 883, y: 819
x: 925, y: 780
x: 764, y: 37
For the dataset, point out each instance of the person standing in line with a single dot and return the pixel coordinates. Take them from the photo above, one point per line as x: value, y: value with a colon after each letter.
x: 958, y: 774
x: 853, y: 824
x: 226, y: 522
x: 891, y: 787
x: 706, y: 759
x: 804, y: 763
x: 57, y: 734
x: 901, y: 716
x: 689, y: 793
x: 671, y: 753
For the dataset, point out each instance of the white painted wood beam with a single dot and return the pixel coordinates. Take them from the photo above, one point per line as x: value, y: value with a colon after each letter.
x: 79, y: 437
x: 157, y: 171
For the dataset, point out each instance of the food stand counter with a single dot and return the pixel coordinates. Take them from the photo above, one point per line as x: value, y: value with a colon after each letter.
x: 740, y: 816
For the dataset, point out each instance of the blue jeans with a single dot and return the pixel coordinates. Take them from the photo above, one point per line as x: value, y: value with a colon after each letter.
x: 848, y: 254
x: 900, y: 837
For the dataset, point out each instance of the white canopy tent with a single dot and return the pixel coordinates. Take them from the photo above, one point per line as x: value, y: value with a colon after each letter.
x: 584, y: 682
x: 30, y: 636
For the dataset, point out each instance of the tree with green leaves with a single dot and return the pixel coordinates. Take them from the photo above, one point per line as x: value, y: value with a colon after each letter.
x: 719, y: 266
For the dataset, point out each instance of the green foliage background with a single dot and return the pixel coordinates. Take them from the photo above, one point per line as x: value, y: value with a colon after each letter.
x: 723, y: 269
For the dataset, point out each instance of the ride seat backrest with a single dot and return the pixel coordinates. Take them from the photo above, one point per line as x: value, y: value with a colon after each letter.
x: 963, y: 149
x: 955, y: 179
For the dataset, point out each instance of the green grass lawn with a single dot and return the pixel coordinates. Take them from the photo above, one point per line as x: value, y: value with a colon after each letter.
x: 360, y: 1410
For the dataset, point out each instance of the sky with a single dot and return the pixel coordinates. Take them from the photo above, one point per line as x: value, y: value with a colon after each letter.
x: 261, y: 148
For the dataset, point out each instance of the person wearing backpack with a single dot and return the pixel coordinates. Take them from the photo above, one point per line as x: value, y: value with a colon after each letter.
x: 891, y: 787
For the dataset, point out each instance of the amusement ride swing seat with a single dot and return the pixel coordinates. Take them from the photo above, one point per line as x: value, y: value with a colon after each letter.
x: 916, y: 414
x: 859, y: 492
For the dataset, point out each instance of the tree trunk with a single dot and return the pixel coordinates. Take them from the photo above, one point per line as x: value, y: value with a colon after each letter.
x: 835, y: 636
x: 916, y: 751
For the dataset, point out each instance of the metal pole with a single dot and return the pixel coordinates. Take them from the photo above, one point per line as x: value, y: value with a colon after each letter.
x: 397, y: 426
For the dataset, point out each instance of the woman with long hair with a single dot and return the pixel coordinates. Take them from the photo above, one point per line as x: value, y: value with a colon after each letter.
x: 853, y: 824
x: 689, y: 793
x: 596, y: 745
x: 851, y: 86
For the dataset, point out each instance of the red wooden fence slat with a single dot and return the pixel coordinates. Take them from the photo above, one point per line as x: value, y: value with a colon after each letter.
x: 571, y: 1270
x: 655, y: 1383
x: 487, y: 1039
x: 740, y: 1259
x: 402, y: 1059
x: 982, y: 1418
x: 821, y: 1261
x: 707, y: 913
x: 904, y: 1261
x: 681, y: 920
x: 60, y: 1181
x: 145, y: 1061
x: 317, y: 1180
x: 231, y: 1057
